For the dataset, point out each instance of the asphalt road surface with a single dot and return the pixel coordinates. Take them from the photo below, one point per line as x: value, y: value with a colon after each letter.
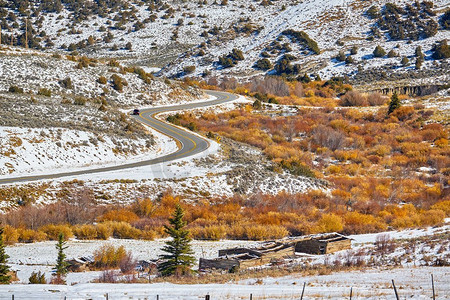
x: 188, y: 144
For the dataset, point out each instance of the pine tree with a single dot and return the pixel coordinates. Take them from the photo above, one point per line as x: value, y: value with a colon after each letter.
x: 394, y: 104
x: 179, y: 259
x: 61, y: 264
x: 4, y: 268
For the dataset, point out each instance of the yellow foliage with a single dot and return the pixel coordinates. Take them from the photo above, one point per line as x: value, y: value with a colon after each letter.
x: 123, y: 230
x: 85, y: 232
x: 330, y: 223
x: 432, y: 217
x: 119, y: 215
x: 53, y: 231
x: 443, y: 206
x: 103, y: 231
x: 29, y: 235
x: 333, y: 170
x: 356, y: 222
x: 10, y: 235
x: 108, y: 256
x: 442, y: 143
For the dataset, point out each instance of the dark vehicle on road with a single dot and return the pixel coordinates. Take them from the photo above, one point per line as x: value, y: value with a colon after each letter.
x: 136, y: 112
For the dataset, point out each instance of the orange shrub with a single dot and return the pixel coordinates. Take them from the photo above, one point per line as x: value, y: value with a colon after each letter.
x: 443, y: 206
x: 432, y: 217
x: 330, y: 223
x: 357, y: 223
x: 119, y: 215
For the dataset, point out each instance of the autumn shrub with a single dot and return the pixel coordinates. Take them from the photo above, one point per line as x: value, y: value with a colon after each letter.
x: 119, y: 215
x: 376, y: 99
x: 15, y: 89
x: 443, y: 206
x: 37, y: 278
x: 108, y: 256
x: 10, y: 235
x: 148, y: 235
x: 104, y: 231
x: 128, y: 263
x: 123, y: 230
x: 85, y: 232
x: 357, y: 223
x: 330, y: 223
x: 432, y: 217
x: 45, y: 92
x: 212, y: 232
x: 102, y: 80
x: 260, y: 232
x: 29, y: 235
x: 354, y: 98
x: 52, y: 231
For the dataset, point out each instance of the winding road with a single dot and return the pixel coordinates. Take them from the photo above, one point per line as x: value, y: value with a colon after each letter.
x: 188, y: 144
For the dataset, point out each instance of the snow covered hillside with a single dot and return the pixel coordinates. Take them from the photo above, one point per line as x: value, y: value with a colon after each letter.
x: 62, y: 113
x: 188, y: 38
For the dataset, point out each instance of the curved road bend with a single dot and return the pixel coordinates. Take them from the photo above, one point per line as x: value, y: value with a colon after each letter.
x: 188, y: 143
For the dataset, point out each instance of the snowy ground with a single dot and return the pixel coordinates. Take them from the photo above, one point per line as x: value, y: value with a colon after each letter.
x: 412, y: 281
x: 26, y: 151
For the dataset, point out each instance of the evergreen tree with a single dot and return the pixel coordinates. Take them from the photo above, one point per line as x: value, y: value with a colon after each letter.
x: 179, y: 258
x: 394, y: 104
x: 61, y: 264
x: 4, y: 268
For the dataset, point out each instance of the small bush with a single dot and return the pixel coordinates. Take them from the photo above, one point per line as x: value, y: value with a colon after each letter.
x: 118, y: 82
x: 102, y: 80
x: 80, y: 100
x: 85, y: 232
x: 263, y: 64
x: 405, y: 61
x: 108, y: 256
x: 15, y: 89
x: 66, y: 83
x: 104, y: 231
x: 29, y: 235
x: 189, y: 69
x: 376, y: 99
x: 353, y: 98
x: 37, y: 278
x: 127, y: 264
x: 53, y: 231
x: 10, y: 235
x: 45, y: 92
x: 123, y: 230
x: 379, y: 51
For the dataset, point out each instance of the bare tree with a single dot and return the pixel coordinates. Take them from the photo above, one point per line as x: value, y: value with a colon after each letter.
x: 328, y: 137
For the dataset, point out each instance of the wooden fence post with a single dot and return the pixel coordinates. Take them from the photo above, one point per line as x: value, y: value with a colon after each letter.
x: 251, y: 296
x: 395, y: 290
x: 207, y: 297
x: 157, y: 297
x: 303, y: 290
x: 432, y: 285
x: 351, y: 293
x: 107, y: 296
